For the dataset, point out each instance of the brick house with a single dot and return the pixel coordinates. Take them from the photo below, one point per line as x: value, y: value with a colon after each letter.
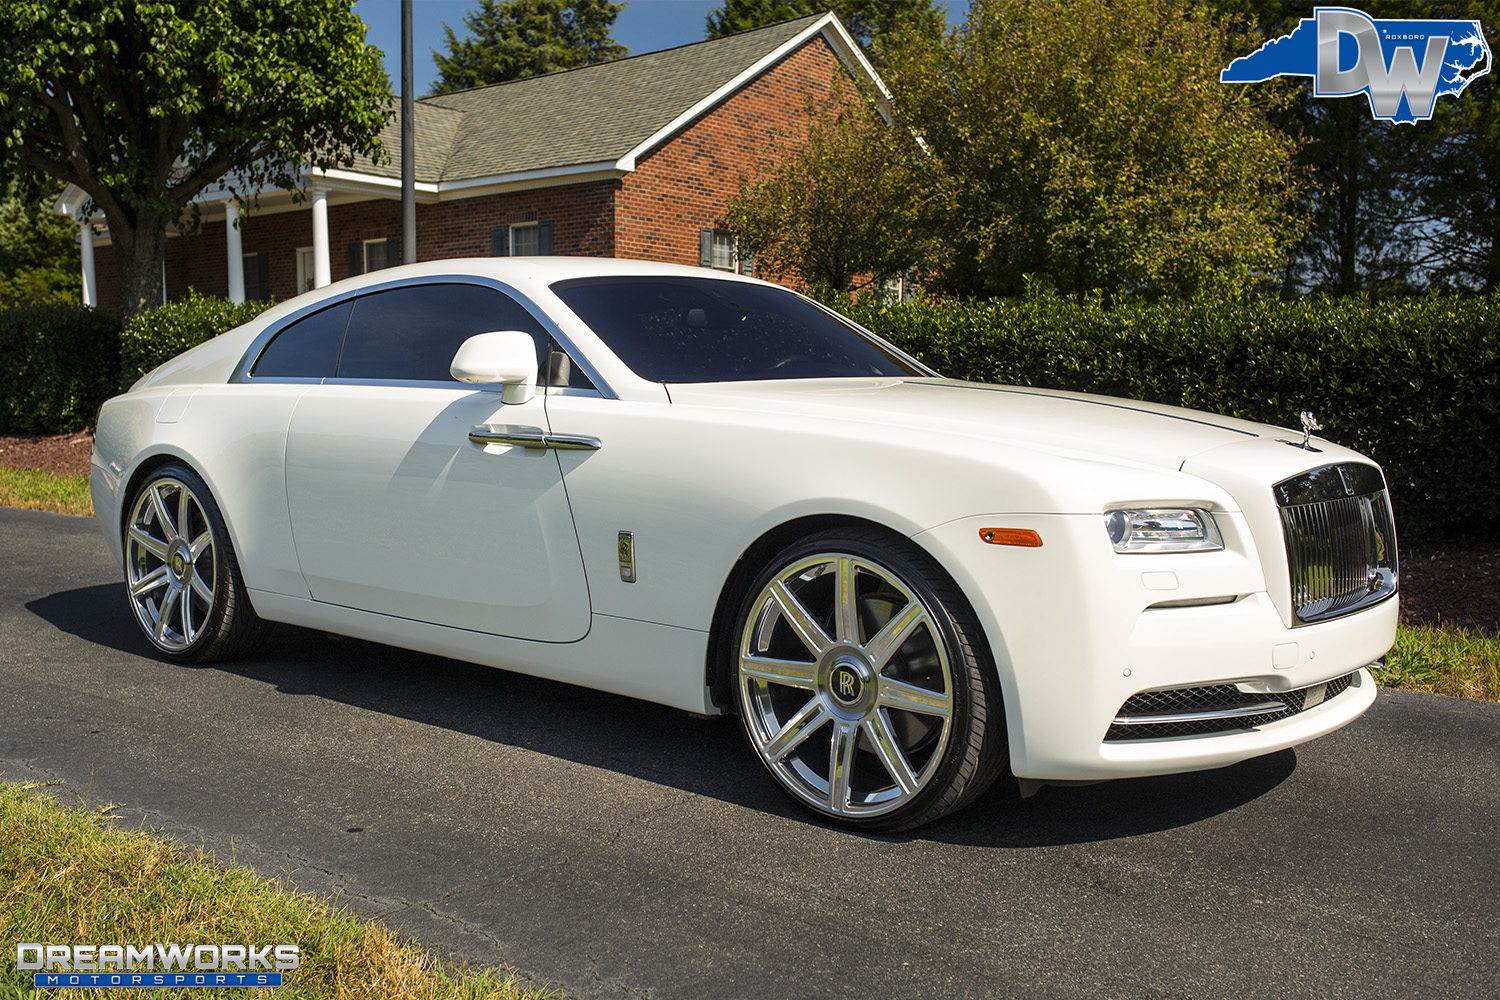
x: 634, y: 158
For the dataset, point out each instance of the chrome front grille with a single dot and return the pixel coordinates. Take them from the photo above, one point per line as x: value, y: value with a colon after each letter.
x: 1340, y: 540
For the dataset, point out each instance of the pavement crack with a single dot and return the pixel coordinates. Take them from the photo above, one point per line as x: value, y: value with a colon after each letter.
x: 677, y: 800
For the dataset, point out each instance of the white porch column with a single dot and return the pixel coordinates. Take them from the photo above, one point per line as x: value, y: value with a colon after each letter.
x: 322, y: 271
x: 86, y: 252
x: 234, y: 253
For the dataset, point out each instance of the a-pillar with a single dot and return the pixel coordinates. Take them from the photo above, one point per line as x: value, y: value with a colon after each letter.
x: 234, y: 253
x: 322, y: 272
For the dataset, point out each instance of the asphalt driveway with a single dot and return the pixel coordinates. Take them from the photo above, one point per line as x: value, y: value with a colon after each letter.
x: 617, y: 849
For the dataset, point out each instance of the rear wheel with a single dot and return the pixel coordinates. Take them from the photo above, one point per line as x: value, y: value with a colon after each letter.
x: 181, y: 574
x: 864, y: 682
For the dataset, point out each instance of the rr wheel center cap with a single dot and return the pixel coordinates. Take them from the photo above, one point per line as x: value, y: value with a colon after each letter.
x: 850, y: 684
x: 178, y: 564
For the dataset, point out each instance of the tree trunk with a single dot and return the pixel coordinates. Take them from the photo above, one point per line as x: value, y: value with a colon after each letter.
x: 140, y: 256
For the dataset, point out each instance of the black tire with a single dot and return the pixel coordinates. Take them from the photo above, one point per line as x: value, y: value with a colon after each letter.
x: 866, y: 732
x: 182, y: 578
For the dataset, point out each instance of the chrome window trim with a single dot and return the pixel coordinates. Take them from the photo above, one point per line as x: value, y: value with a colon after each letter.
x: 284, y: 380
x: 241, y: 373
x: 869, y: 334
x: 409, y: 383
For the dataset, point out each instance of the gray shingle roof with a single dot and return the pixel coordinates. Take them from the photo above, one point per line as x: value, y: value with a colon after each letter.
x: 435, y: 133
x: 588, y: 115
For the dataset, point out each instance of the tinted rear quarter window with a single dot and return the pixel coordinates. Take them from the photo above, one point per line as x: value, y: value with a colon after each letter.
x: 308, y: 348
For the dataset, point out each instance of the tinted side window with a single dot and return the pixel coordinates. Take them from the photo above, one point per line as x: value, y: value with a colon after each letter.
x: 308, y: 348
x: 412, y: 333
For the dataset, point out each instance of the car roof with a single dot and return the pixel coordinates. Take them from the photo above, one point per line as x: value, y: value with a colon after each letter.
x: 525, y: 273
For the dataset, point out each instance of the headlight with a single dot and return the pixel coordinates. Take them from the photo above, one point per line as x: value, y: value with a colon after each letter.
x: 1162, y: 529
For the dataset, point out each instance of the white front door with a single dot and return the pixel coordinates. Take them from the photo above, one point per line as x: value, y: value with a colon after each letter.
x: 395, y: 510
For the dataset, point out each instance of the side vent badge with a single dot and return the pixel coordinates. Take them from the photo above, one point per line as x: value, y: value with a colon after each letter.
x: 627, y: 556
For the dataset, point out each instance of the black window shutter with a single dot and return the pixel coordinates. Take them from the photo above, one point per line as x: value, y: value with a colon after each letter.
x: 356, y: 258
x: 263, y: 277
x: 544, y: 238
x: 705, y: 248
x: 499, y: 241
x: 392, y: 251
x: 747, y: 265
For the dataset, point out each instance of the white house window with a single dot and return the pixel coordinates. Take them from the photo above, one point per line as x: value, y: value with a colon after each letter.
x: 718, y: 249
x: 723, y: 251
x: 376, y: 254
x: 524, y: 241
x: 257, y: 271
x: 306, y: 273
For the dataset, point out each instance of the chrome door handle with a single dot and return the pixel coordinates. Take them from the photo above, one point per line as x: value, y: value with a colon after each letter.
x: 531, y: 437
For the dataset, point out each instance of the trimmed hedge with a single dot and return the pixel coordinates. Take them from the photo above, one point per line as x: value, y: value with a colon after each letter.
x: 158, y: 335
x: 1414, y: 383
x: 58, y: 362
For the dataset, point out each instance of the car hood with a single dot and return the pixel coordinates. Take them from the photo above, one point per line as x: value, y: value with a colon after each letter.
x: 1066, y: 424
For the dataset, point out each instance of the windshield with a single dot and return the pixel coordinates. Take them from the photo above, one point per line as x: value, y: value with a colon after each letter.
x: 704, y: 330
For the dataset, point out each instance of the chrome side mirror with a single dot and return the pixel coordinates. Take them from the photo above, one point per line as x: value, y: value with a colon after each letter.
x: 504, y: 357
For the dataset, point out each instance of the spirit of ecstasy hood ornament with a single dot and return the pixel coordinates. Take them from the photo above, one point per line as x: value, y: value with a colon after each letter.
x: 1309, y: 424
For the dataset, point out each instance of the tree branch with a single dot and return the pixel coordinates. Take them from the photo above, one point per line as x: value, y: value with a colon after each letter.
x: 78, y: 169
x: 101, y: 195
x: 93, y: 122
x: 221, y: 162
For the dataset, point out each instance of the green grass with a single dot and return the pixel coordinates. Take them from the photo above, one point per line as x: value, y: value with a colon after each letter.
x: 68, y: 876
x: 37, y: 490
x: 1461, y: 662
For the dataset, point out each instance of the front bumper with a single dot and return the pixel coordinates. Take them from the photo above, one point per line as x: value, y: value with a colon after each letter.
x: 1077, y: 629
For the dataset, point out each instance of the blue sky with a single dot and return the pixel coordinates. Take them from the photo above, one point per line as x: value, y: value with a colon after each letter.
x: 644, y: 26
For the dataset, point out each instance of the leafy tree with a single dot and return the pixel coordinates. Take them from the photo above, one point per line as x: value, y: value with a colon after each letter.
x: 856, y: 199
x: 1356, y: 201
x: 514, y: 39
x: 1392, y: 207
x: 1093, y: 148
x: 1358, y: 205
x: 144, y: 105
x: 38, y: 248
x: 875, y: 24
x: 1458, y: 189
x: 1454, y: 173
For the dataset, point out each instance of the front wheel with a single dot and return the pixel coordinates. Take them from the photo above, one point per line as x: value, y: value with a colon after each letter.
x: 864, y: 682
x: 181, y: 574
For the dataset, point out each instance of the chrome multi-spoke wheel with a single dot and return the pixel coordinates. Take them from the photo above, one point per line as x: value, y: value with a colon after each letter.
x: 855, y: 687
x: 180, y: 572
x: 170, y: 564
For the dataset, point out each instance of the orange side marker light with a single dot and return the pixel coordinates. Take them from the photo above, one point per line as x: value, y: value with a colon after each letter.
x: 1024, y: 537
